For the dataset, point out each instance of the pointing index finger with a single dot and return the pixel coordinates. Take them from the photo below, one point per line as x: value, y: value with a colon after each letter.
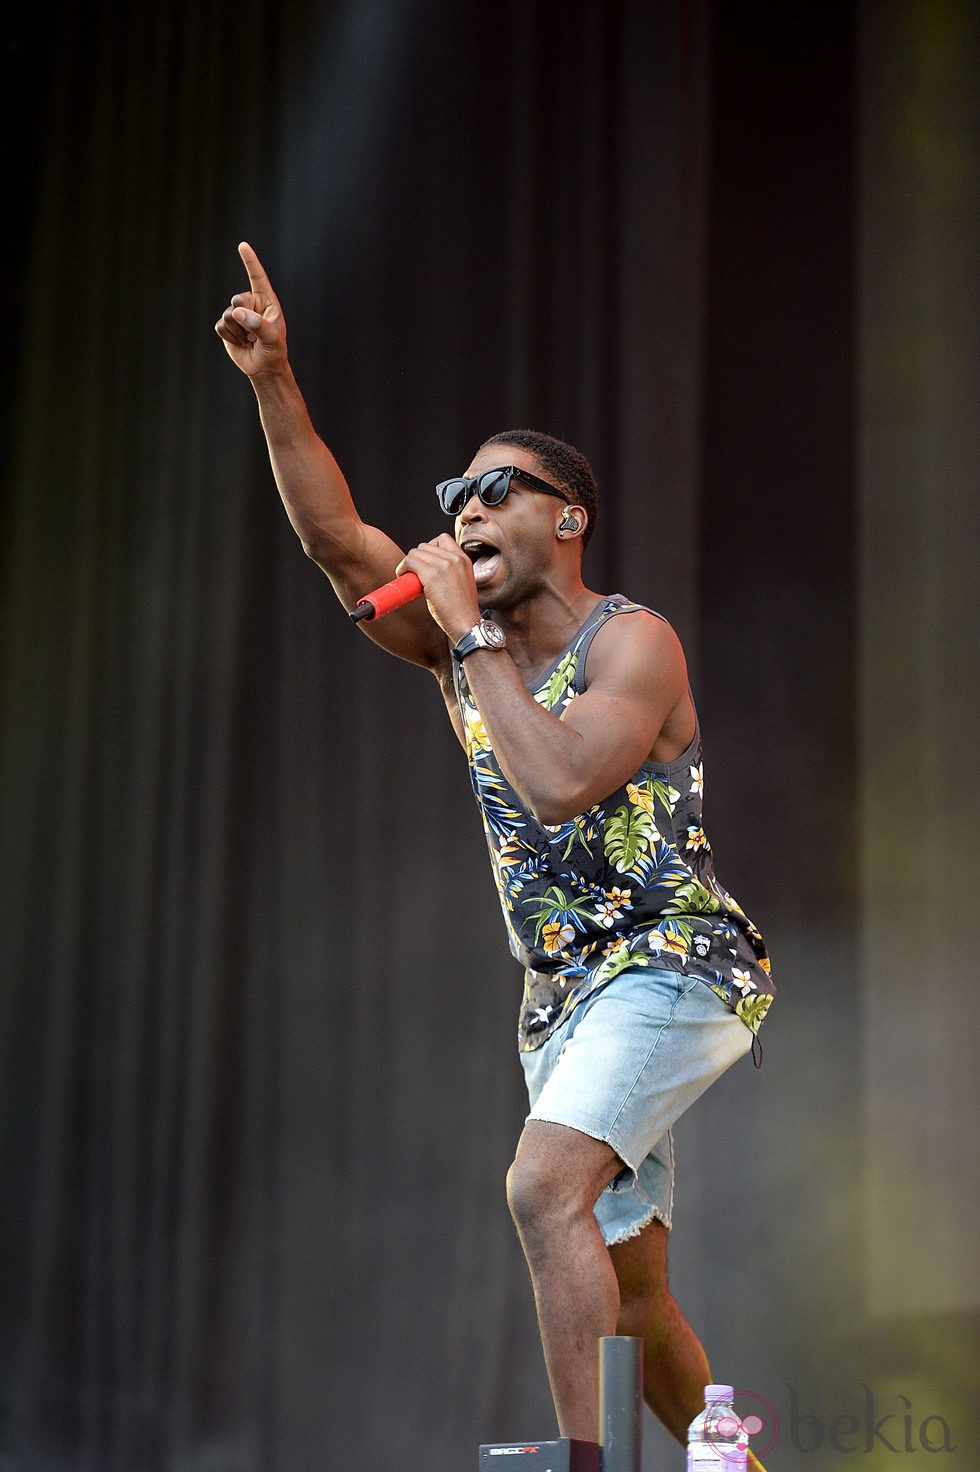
x: 257, y: 278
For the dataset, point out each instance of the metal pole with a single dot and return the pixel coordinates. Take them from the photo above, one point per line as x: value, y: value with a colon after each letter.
x: 621, y: 1403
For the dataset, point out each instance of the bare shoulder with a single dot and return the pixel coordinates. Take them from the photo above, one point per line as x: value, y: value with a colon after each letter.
x: 637, y: 662
x: 638, y: 645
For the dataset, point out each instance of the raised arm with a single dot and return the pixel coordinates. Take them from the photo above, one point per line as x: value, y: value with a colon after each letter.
x: 356, y: 557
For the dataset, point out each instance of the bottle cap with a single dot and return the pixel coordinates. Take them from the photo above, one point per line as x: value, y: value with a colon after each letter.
x: 717, y: 1392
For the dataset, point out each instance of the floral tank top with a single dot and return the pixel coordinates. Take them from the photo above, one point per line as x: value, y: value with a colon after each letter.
x: 630, y: 882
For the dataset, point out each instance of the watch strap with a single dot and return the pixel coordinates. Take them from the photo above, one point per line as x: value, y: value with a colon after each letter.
x: 475, y: 638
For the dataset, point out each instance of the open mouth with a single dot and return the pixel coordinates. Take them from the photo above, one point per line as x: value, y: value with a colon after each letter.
x: 484, y: 557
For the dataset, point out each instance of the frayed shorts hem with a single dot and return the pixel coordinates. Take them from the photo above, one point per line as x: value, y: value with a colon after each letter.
x: 625, y: 1234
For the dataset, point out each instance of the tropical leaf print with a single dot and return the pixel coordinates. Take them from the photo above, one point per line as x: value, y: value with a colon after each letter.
x: 628, y: 882
x: 729, y: 902
x: 515, y: 851
x: 513, y: 868
x: 559, y: 681
x: 495, y: 798
x: 581, y: 830
x: 555, y: 910
x: 752, y: 1009
x: 691, y: 898
x: 667, y: 794
x: 619, y: 959
x: 672, y: 871
x: 627, y: 839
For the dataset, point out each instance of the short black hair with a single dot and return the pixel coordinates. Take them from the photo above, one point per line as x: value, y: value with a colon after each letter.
x: 565, y: 465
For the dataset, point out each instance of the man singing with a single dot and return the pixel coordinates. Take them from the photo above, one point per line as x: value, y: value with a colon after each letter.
x: 644, y: 980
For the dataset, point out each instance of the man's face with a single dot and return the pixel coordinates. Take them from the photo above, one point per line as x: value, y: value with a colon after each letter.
x: 512, y: 545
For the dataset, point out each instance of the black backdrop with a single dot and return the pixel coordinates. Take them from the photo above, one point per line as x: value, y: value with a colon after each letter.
x: 258, y: 1073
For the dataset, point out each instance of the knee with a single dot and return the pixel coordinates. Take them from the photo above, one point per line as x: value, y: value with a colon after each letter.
x: 537, y: 1197
x: 555, y: 1180
x: 526, y: 1192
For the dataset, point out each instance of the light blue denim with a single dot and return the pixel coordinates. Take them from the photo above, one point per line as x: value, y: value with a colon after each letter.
x: 623, y: 1067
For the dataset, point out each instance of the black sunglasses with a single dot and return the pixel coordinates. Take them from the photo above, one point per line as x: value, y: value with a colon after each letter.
x: 491, y: 486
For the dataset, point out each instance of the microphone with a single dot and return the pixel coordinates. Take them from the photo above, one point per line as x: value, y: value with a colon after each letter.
x: 388, y: 597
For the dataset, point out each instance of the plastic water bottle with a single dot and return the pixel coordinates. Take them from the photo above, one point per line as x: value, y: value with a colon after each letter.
x: 716, y: 1439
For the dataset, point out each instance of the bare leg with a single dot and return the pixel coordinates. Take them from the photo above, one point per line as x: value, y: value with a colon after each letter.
x: 556, y: 1178
x: 675, y: 1367
x: 585, y: 1290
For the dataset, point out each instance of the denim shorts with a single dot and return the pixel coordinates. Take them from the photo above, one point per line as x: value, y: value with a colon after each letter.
x: 623, y: 1067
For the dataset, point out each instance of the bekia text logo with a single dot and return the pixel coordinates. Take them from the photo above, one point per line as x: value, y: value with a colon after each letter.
x: 892, y: 1425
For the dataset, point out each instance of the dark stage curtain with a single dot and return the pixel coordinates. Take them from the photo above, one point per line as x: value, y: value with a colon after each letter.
x: 259, y: 1083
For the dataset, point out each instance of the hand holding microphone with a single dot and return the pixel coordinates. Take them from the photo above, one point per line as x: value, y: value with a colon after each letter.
x: 450, y: 585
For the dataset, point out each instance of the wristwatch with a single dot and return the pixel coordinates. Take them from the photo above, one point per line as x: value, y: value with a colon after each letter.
x: 484, y: 635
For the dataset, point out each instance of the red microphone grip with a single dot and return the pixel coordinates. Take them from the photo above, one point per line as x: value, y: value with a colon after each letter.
x: 388, y: 597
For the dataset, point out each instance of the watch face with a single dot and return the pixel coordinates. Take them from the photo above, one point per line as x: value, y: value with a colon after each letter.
x: 493, y: 633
